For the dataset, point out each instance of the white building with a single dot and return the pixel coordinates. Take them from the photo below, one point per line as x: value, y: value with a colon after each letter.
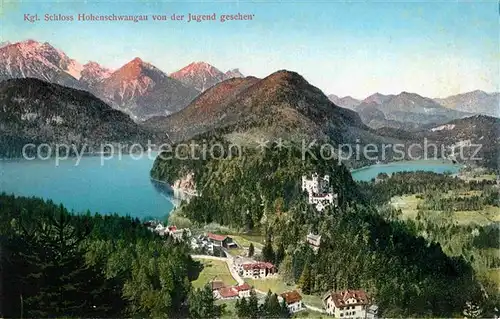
x: 258, y: 270
x: 352, y: 304
x: 314, y: 241
x: 177, y: 233
x: 320, y: 194
x: 234, y: 292
x: 293, y: 301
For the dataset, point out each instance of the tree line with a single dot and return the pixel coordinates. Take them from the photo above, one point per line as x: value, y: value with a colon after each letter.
x: 405, y: 274
x: 58, y: 264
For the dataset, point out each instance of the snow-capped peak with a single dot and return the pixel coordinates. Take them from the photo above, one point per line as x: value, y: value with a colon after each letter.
x: 202, y: 75
x: 32, y: 58
x: 197, y: 68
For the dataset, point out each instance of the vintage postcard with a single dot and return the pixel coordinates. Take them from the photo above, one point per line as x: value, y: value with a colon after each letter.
x: 249, y: 159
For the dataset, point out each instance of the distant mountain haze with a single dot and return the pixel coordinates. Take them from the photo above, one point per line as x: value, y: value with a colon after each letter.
x: 203, y: 76
x: 137, y: 88
x: 412, y: 111
x: 474, y: 102
x: 143, y: 91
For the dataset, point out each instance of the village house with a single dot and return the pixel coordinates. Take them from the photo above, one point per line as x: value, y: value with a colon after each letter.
x: 320, y: 194
x: 293, y: 301
x: 160, y: 230
x: 221, y: 240
x: 176, y: 233
x: 239, y: 261
x: 157, y: 227
x: 314, y: 241
x: 227, y: 293
x: 258, y: 270
x: 244, y: 290
x: 352, y: 304
x: 234, y: 292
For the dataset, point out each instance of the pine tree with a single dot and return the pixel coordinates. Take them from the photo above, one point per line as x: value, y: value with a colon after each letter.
x: 271, y: 307
x: 268, y: 252
x: 202, y: 304
x: 253, y: 306
x: 242, y: 308
x: 286, y: 269
x: 305, y: 281
x: 251, y: 250
x: 280, y: 254
x: 59, y: 268
x: 284, y: 313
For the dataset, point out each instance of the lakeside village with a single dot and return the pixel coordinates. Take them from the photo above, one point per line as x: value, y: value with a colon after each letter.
x: 243, y: 266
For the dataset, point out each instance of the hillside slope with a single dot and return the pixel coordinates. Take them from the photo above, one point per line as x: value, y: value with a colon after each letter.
x: 282, y: 105
x: 34, y: 111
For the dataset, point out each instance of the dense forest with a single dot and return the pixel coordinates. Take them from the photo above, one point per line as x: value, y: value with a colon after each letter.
x: 460, y: 215
x: 256, y: 190
x: 239, y: 189
x: 57, y: 264
x: 381, y: 190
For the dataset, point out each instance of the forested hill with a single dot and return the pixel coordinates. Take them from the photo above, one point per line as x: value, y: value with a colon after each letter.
x: 240, y: 188
x: 261, y: 191
x: 55, y: 264
x: 34, y: 111
x: 282, y: 105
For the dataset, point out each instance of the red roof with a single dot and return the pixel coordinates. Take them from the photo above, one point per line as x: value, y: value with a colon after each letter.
x: 172, y: 228
x: 228, y: 292
x: 291, y: 297
x: 259, y: 265
x: 243, y: 287
x: 216, y: 237
x: 340, y: 298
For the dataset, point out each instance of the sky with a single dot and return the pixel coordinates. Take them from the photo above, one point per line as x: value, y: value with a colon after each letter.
x: 435, y: 49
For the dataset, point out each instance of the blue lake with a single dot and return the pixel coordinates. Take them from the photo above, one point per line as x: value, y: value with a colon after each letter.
x: 118, y: 186
x: 123, y: 185
x: 436, y: 166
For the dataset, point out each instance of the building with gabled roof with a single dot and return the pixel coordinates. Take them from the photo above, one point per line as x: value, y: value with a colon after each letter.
x: 352, y: 304
x: 243, y: 290
x: 228, y: 293
x: 216, y: 284
x: 258, y: 270
x: 234, y: 292
x: 221, y: 240
x: 293, y: 301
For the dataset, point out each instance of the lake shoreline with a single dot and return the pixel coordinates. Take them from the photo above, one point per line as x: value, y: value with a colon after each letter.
x: 121, y: 186
x: 396, y: 163
x: 439, y: 166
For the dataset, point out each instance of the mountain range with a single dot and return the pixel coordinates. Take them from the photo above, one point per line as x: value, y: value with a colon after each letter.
x: 143, y: 91
x: 285, y: 105
x: 474, y: 102
x: 412, y: 111
x: 244, y: 110
x: 200, y: 99
x: 137, y: 88
x: 281, y: 105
